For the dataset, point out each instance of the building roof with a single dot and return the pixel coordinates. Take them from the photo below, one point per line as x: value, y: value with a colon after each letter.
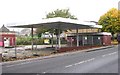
x: 104, y: 33
x: 59, y: 23
x: 4, y: 29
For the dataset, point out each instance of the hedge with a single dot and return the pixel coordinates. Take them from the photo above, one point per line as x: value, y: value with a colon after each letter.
x: 39, y: 41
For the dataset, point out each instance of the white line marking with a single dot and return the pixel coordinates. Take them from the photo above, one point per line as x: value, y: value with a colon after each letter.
x: 18, y: 64
x: 22, y: 63
x: 91, y: 59
x: 112, y: 53
x: 68, y: 66
x: 104, y: 55
x: 108, y: 54
x: 10, y: 66
x: 80, y: 62
x: 43, y: 72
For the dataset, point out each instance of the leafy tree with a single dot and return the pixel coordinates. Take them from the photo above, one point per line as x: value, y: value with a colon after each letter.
x: 64, y: 13
x: 110, y: 21
x: 41, y: 30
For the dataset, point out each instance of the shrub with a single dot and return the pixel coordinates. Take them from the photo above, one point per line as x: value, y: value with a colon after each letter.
x: 39, y: 41
x: 27, y: 41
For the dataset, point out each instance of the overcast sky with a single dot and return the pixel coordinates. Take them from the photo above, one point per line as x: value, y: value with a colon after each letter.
x: 21, y: 11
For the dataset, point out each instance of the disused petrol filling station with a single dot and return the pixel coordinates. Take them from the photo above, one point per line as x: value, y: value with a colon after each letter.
x: 65, y: 24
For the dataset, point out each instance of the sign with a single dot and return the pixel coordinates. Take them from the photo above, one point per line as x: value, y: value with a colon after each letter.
x: 6, y: 42
x: 46, y: 41
x: 70, y: 39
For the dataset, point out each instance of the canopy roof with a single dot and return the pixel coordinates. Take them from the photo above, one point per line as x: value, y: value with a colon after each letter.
x: 59, y: 23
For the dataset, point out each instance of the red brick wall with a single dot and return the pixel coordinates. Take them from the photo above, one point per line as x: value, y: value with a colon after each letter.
x: 12, y: 41
x: 106, y: 40
x: 65, y: 49
x: 11, y: 36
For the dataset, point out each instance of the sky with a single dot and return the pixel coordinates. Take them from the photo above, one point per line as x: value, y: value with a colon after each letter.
x: 22, y: 11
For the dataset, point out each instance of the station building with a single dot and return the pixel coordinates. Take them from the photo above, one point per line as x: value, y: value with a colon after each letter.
x: 89, y: 37
x: 7, y: 37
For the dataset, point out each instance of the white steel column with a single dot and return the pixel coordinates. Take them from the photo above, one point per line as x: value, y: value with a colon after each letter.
x: 77, y: 37
x: 52, y: 39
x: 83, y: 40
x: 59, y: 42
x: 32, y: 37
x: 92, y: 40
x: 15, y: 47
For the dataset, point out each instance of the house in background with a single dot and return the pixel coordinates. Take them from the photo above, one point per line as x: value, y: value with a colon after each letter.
x: 26, y: 32
x: 7, y: 37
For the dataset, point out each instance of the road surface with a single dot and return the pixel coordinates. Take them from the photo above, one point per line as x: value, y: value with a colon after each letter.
x: 99, y: 61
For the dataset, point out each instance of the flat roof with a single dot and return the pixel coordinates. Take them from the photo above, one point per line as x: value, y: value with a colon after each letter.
x: 104, y: 33
x: 59, y: 23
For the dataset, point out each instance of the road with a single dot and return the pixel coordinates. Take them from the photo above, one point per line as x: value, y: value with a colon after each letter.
x: 99, y: 61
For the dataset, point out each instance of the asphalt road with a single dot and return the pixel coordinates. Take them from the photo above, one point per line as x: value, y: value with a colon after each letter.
x: 99, y: 61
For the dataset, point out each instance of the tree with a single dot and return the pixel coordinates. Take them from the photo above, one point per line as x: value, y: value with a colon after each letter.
x: 40, y: 30
x: 64, y: 13
x: 110, y: 21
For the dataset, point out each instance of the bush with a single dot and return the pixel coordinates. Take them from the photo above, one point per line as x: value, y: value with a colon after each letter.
x: 27, y: 41
x: 39, y: 41
x: 23, y: 41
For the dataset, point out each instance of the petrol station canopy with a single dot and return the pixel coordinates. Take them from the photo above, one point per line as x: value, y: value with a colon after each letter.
x: 59, y: 23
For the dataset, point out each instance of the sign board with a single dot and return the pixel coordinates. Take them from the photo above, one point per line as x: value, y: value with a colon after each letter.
x: 46, y: 41
x: 70, y: 39
x: 6, y: 42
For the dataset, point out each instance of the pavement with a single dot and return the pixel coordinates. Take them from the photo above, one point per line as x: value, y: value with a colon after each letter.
x: 25, y: 51
x: 99, y: 60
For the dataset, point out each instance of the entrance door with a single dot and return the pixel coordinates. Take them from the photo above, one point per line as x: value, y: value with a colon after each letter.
x: 85, y: 39
x: 6, y: 42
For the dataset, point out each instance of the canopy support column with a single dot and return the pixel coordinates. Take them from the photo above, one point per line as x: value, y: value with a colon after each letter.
x: 77, y: 37
x: 59, y: 41
x: 52, y: 40
x: 83, y: 40
x: 32, y: 37
x: 92, y: 40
